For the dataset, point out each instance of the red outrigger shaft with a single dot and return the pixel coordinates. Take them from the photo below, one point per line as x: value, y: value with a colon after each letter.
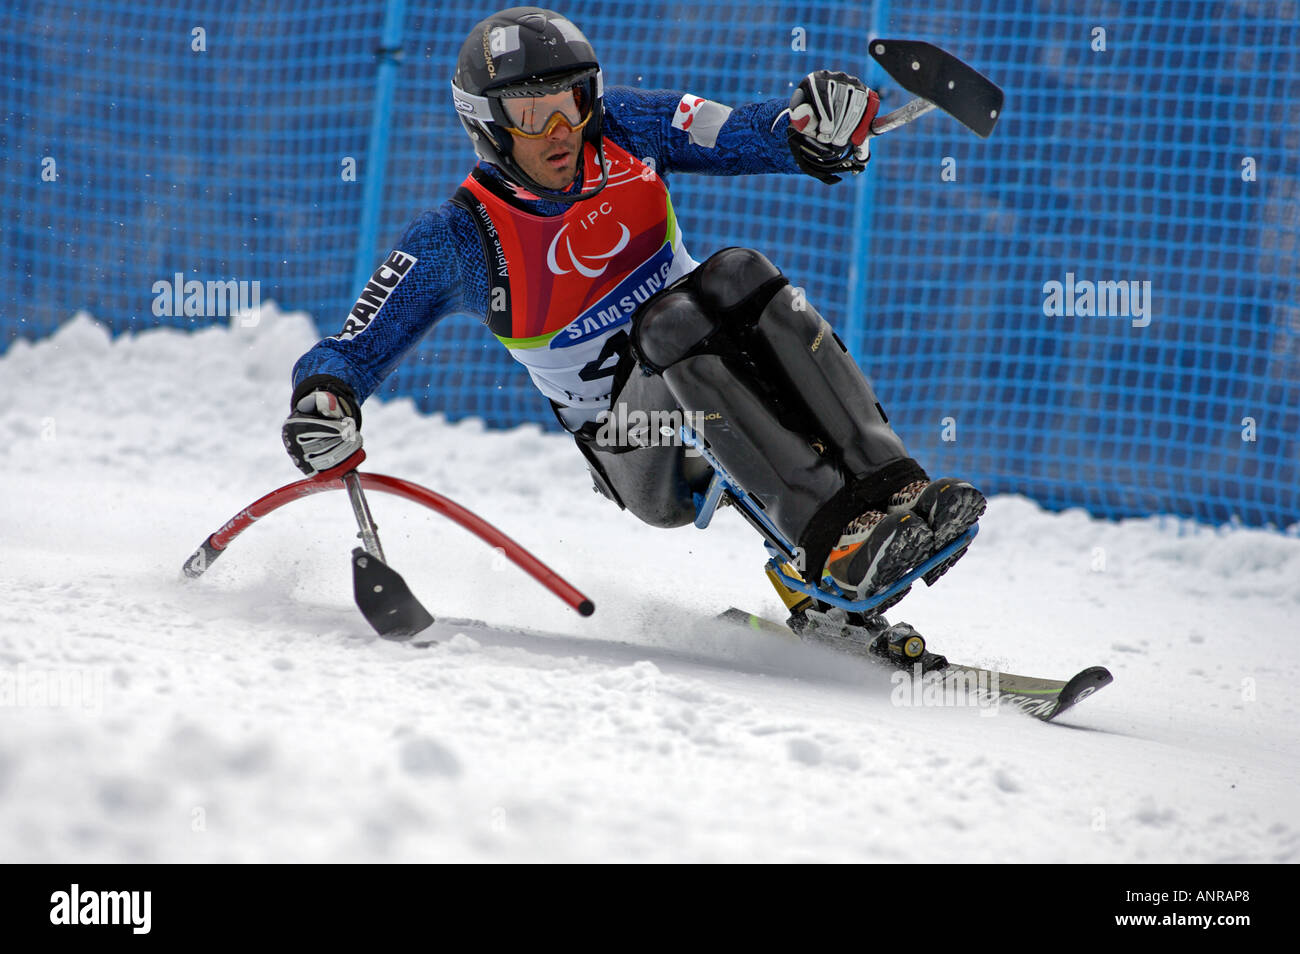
x: 218, y: 541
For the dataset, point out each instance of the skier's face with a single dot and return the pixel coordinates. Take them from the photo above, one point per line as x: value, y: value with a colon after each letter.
x: 552, y: 160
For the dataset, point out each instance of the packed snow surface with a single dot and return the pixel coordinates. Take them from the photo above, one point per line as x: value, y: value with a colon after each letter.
x: 251, y: 715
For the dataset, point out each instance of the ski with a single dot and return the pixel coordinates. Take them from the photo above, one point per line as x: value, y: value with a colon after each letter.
x: 900, y: 648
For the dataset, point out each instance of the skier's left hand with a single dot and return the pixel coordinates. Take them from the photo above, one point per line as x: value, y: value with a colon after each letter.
x: 830, y: 124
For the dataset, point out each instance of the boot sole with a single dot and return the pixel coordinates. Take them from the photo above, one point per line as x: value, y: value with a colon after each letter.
x: 958, y: 508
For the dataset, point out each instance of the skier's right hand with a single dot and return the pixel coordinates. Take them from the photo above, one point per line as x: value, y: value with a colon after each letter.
x: 324, y: 424
x: 830, y: 124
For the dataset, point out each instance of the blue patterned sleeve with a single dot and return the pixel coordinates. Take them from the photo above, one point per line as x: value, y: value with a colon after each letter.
x: 390, y: 317
x: 687, y: 133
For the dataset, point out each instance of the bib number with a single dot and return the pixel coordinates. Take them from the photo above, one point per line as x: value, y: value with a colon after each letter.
x: 614, y: 347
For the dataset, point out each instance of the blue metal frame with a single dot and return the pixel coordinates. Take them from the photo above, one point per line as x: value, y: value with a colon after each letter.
x: 782, y: 550
x: 859, y: 606
x: 707, y: 503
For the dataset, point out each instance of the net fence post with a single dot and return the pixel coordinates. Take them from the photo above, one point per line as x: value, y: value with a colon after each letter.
x: 388, y: 56
x: 864, y: 203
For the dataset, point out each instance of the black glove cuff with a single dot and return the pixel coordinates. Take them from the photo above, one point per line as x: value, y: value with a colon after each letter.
x: 336, y: 386
x: 821, y: 166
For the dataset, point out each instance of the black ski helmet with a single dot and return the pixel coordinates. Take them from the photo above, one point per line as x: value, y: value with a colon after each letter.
x: 525, y: 51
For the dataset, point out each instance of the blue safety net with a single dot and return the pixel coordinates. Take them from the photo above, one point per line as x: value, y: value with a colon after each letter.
x: 1146, y: 163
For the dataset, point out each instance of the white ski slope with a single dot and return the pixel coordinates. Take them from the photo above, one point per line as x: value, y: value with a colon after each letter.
x: 252, y: 716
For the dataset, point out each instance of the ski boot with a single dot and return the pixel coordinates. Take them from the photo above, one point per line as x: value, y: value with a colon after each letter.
x: 881, y: 547
x: 949, y: 508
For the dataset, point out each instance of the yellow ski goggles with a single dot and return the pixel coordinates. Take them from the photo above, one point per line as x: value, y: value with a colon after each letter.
x: 537, y: 116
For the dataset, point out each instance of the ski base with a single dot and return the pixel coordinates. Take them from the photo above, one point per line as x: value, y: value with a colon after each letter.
x: 899, y: 647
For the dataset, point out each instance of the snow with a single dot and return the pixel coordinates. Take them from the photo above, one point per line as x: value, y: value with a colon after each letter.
x: 252, y: 716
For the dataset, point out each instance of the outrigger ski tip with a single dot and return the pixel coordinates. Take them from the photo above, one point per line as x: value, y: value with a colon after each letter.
x: 937, y: 79
x: 384, y: 599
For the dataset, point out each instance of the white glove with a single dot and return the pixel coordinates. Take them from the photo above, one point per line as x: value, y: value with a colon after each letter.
x: 324, y: 428
x: 830, y: 124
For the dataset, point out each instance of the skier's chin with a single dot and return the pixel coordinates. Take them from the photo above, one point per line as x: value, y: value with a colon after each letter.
x: 560, y: 178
